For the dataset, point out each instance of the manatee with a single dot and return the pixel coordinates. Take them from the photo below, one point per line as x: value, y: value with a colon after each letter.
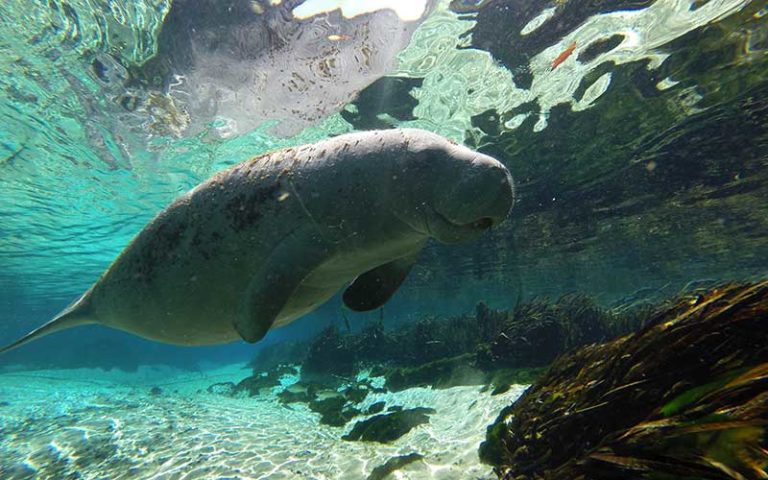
x: 270, y: 239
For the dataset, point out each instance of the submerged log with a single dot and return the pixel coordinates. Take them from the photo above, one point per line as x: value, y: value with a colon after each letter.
x: 685, y: 397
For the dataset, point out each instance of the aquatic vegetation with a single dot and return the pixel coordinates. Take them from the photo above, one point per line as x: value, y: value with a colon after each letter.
x: 297, y: 393
x: 441, y: 373
x: 334, y: 399
x: 685, y: 397
x: 503, y: 379
x: 356, y: 393
x: 334, y: 410
x: 375, y: 408
x: 389, y: 427
x: 495, y: 349
x: 395, y: 463
x: 538, y: 331
x: 484, y: 348
x: 329, y: 353
x: 257, y: 385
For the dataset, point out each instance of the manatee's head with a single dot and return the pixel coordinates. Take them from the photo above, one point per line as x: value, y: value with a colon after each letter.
x: 449, y: 191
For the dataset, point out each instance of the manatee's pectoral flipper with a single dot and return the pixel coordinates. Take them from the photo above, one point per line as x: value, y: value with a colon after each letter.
x: 373, y: 288
x: 271, y: 288
x: 73, y: 316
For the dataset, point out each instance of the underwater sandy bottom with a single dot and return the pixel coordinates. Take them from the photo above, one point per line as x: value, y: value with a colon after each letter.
x: 91, y: 424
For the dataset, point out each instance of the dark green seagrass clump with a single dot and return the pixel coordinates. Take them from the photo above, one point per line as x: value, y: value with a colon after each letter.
x: 686, y: 397
x: 389, y: 427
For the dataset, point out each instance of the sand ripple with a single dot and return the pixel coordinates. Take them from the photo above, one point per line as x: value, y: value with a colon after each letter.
x: 55, y: 426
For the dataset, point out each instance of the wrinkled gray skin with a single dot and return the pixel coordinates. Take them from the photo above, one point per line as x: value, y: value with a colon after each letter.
x: 246, y: 62
x: 269, y: 240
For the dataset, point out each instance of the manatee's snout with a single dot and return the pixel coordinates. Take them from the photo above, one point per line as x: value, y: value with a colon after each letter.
x: 491, y: 186
x: 479, y: 198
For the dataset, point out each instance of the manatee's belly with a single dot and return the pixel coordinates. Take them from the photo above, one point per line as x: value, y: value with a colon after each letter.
x: 201, y: 310
x: 305, y: 300
x: 185, y: 304
x: 194, y: 300
x: 336, y: 273
x: 333, y: 274
x: 183, y: 319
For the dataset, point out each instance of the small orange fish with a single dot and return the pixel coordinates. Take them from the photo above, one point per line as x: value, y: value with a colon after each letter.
x: 563, y: 56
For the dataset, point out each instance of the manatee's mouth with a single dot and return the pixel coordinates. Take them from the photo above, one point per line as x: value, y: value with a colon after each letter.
x: 483, y: 223
x: 447, y: 231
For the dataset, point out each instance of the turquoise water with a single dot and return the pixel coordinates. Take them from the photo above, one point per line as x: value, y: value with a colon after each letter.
x: 635, y: 132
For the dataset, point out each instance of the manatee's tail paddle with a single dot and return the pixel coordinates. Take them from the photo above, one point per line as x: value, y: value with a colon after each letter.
x: 72, y: 316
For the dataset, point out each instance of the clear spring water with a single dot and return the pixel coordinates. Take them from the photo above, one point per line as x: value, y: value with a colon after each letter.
x: 636, y: 132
